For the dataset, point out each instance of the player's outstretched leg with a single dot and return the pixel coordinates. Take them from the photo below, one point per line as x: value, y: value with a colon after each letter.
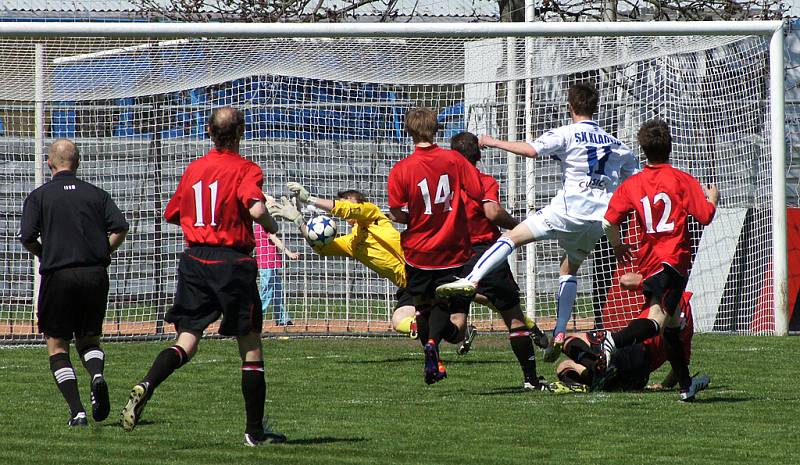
x: 493, y: 257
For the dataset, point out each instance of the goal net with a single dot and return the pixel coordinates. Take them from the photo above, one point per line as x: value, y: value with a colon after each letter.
x: 328, y: 112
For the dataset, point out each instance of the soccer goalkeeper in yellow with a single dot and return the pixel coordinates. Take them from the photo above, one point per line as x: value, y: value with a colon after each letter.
x: 373, y: 241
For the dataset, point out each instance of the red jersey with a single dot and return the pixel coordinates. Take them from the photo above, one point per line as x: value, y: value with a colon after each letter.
x: 433, y: 182
x: 663, y: 197
x: 481, y: 229
x: 212, y: 201
x: 655, y: 347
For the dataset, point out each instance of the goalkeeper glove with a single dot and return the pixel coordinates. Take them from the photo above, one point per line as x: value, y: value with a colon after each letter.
x: 284, y: 209
x: 301, y: 193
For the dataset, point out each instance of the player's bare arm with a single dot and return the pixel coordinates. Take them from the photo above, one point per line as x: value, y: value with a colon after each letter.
x: 516, y: 147
x: 259, y: 213
x: 622, y: 251
x: 282, y: 247
x: 499, y: 216
x: 115, y: 239
x: 34, y: 247
x: 712, y: 193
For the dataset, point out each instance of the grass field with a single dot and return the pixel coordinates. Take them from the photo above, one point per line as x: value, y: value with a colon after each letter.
x: 363, y: 401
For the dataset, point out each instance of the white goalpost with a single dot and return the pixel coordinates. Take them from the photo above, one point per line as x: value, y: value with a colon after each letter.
x: 324, y: 105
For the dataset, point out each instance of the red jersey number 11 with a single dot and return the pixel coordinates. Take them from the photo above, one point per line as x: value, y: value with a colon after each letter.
x: 198, y: 203
x: 443, y: 194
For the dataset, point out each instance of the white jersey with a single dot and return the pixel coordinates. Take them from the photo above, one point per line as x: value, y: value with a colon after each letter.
x: 593, y: 164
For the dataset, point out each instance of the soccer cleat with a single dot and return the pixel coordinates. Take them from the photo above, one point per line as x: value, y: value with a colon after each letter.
x: 266, y: 436
x: 560, y: 387
x: 434, y: 368
x: 602, y: 373
x: 78, y: 420
x: 412, y: 333
x: 99, y: 395
x: 460, y: 286
x: 698, y: 384
x: 552, y: 352
x: 132, y: 412
x: 535, y: 384
x: 469, y: 336
x: 538, y: 336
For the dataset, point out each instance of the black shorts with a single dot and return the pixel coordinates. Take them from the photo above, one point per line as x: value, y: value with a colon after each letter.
x: 498, y: 285
x: 633, y: 369
x: 403, y: 298
x: 421, y: 286
x: 72, y: 301
x: 214, y: 281
x: 667, y: 287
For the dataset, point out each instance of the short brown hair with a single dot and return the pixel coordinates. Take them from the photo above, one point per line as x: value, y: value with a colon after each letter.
x: 226, y: 126
x: 583, y: 98
x: 466, y: 143
x: 421, y: 124
x: 655, y: 140
x: 352, y: 193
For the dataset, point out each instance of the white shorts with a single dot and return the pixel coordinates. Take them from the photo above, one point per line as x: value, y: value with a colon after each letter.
x: 576, y: 236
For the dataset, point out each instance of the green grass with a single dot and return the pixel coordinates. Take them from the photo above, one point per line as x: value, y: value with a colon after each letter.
x: 363, y: 401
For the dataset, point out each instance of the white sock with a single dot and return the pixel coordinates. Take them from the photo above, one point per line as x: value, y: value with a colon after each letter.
x: 494, y: 256
x: 567, y: 291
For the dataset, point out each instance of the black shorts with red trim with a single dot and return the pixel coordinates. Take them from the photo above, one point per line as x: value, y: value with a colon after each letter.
x: 421, y: 286
x: 498, y: 286
x: 72, y: 301
x: 667, y: 287
x: 214, y: 281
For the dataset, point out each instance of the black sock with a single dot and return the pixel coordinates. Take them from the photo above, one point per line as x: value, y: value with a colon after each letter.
x: 423, y: 324
x: 452, y: 334
x: 93, y: 359
x: 440, y: 323
x: 67, y: 382
x: 254, y: 390
x: 522, y: 346
x: 169, y: 360
x: 637, y: 330
x: 676, y: 357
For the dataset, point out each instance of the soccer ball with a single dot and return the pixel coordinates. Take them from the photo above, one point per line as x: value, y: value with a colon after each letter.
x: 321, y: 230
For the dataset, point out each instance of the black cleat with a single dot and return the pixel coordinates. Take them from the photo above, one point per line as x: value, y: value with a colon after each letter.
x: 132, y: 412
x: 469, y: 337
x: 78, y: 421
x: 539, y: 337
x: 434, y: 370
x: 266, y: 436
x: 100, y: 403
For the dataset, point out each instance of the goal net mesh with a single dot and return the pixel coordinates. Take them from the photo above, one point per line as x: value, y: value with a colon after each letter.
x: 329, y: 113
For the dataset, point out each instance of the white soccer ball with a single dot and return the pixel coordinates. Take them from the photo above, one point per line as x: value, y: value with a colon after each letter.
x: 321, y: 230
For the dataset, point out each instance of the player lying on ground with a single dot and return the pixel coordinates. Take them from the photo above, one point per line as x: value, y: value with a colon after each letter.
x: 374, y: 242
x: 663, y: 197
x: 633, y: 364
x: 498, y: 286
x: 592, y: 165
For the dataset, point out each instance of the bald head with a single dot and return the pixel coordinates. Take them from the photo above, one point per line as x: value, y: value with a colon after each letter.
x: 63, y: 155
x: 226, y: 127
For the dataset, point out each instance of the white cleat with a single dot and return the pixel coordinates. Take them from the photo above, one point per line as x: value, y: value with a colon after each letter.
x: 698, y: 384
x: 460, y: 286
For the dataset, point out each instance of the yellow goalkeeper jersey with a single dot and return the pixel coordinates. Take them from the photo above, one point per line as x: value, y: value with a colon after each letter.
x: 373, y: 241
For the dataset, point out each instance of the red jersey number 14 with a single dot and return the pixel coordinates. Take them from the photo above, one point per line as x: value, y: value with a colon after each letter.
x: 443, y: 194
